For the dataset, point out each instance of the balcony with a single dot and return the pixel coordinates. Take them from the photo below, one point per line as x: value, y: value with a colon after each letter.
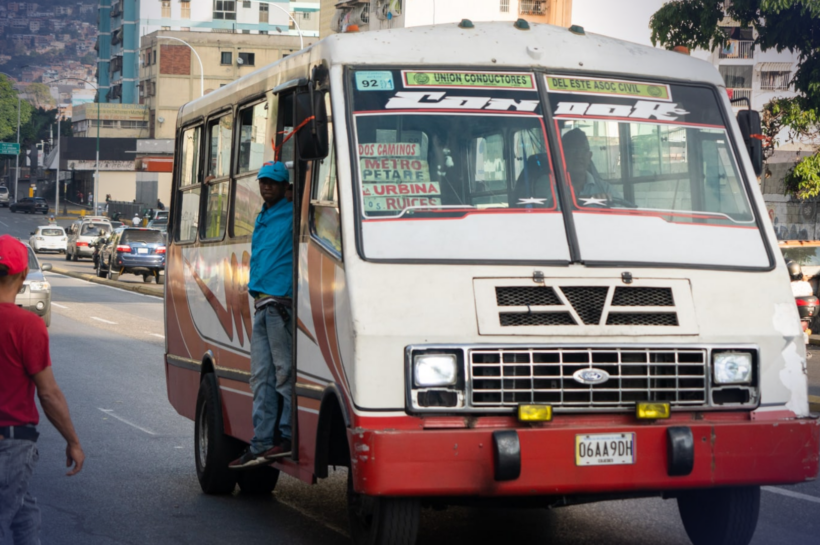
x: 738, y: 49
x: 532, y: 7
x: 735, y: 93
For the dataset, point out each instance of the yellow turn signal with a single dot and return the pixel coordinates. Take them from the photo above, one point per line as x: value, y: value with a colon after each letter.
x: 652, y: 411
x: 534, y: 413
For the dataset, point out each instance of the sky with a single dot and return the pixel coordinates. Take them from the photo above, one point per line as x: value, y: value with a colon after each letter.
x: 622, y: 19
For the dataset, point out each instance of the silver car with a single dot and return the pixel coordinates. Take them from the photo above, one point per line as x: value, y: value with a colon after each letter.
x: 82, y: 234
x: 35, y: 295
x: 4, y: 196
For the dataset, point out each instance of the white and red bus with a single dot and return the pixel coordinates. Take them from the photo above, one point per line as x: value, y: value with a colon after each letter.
x: 532, y: 266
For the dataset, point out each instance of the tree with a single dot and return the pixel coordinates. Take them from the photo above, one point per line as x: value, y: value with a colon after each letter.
x: 8, y: 110
x: 40, y: 95
x: 779, y: 25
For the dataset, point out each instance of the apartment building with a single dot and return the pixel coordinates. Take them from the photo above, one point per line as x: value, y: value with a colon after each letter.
x: 123, y: 23
x: 170, y: 73
x: 384, y: 14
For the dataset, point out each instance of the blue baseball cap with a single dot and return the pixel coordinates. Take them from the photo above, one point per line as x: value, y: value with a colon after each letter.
x: 275, y: 171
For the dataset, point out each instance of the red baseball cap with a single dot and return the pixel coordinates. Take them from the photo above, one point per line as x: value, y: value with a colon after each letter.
x: 13, y: 254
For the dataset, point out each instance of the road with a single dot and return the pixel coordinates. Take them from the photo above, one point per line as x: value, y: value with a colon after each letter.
x: 139, y: 484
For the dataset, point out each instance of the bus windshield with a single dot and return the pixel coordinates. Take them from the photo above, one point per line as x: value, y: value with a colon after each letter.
x: 439, y: 172
x: 456, y: 165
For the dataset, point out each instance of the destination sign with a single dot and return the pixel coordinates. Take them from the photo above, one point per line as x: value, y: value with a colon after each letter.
x: 469, y: 80
x: 608, y: 87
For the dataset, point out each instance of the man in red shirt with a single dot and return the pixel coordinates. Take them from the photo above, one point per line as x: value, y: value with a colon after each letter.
x: 25, y: 364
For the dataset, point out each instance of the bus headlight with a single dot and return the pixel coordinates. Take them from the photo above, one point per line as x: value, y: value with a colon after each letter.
x: 732, y: 367
x: 435, y: 370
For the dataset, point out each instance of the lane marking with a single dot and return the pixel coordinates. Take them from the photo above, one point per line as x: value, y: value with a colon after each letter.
x: 157, y: 335
x: 58, y: 305
x: 110, y: 412
x: 790, y: 494
x: 103, y: 321
x: 236, y: 391
x: 4, y: 223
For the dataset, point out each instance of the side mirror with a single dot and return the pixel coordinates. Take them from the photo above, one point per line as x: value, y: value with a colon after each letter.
x: 749, y: 121
x: 46, y: 266
x: 312, y: 138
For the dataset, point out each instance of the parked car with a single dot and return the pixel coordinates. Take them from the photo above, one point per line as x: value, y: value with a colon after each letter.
x: 50, y: 238
x: 4, y: 196
x: 35, y: 295
x: 806, y: 253
x: 81, y: 234
x: 30, y: 205
x: 136, y: 251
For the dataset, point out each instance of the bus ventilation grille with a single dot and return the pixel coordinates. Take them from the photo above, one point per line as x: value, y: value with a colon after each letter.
x: 550, y: 306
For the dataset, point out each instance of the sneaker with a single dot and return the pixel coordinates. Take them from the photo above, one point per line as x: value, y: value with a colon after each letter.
x: 279, y: 451
x: 248, y: 460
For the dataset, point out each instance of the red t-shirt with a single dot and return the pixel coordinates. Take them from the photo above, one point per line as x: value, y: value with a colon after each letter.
x: 23, y: 354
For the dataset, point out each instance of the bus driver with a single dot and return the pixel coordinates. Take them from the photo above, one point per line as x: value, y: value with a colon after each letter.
x: 271, y: 286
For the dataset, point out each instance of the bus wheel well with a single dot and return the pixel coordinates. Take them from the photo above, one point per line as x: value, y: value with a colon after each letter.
x: 331, y: 437
x: 207, y: 364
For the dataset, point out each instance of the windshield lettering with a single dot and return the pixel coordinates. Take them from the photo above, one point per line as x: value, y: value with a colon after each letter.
x: 642, y: 109
x: 439, y: 100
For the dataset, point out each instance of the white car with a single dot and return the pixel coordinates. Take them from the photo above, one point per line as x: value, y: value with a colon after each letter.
x: 50, y: 238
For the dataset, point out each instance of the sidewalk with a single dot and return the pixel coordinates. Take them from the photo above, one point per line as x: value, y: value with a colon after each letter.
x: 146, y: 289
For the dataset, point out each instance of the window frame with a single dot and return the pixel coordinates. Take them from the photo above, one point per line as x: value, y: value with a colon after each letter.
x: 317, y: 203
x: 248, y: 58
x: 180, y: 190
x: 213, y: 120
x: 222, y: 58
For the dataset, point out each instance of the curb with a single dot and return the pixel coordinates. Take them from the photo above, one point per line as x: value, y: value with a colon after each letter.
x: 814, y: 404
x: 145, y: 289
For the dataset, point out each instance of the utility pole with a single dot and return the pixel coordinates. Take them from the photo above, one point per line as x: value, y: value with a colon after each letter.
x: 57, y: 198
x: 17, y: 159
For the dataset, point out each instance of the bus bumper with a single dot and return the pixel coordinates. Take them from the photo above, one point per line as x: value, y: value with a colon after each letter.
x: 466, y: 462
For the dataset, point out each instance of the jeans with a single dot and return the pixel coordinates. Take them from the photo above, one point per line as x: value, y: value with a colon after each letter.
x: 19, y: 514
x: 271, y: 376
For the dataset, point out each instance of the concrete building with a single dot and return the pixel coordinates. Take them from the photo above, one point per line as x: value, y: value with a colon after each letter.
x: 122, y: 24
x: 170, y: 73
x: 116, y: 120
x: 382, y: 14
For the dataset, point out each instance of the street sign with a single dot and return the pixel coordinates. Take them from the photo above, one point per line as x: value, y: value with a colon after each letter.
x: 7, y: 148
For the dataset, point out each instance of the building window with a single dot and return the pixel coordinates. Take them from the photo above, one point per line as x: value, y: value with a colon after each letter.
x: 166, y: 9
x: 737, y: 76
x: 263, y: 13
x: 775, y: 80
x: 246, y: 4
x: 263, y: 32
x: 225, y: 10
x: 246, y: 31
x: 154, y: 57
x: 227, y: 57
x: 185, y: 6
x: 248, y: 59
x: 505, y: 6
x: 306, y: 15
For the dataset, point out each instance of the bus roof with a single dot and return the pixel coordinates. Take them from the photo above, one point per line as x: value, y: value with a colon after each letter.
x: 489, y: 44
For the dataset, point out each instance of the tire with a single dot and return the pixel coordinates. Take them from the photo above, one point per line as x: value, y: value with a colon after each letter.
x: 47, y: 317
x: 381, y: 521
x: 257, y: 482
x: 160, y: 279
x: 146, y: 278
x: 720, y: 516
x: 100, y: 271
x: 213, y: 450
x: 111, y: 274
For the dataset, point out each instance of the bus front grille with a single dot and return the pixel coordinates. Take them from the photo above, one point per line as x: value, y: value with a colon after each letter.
x: 509, y: 377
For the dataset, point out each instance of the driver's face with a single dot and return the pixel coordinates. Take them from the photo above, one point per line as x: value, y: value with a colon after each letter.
x: 578, y: 157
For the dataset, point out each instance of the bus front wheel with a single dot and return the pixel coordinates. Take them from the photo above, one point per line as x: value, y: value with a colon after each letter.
x: 381, y: 521
x: 213, y: 449
x: 720, y: 516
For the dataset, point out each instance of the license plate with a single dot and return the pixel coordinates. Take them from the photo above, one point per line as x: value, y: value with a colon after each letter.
x: 606, y: 449
x: 142, y: 250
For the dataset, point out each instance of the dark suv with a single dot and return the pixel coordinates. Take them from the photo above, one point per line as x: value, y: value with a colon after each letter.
x: 30, y: 205
x: 133, y: 251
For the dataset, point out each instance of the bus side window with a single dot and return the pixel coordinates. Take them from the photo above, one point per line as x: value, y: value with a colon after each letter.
x: 189, y: 185
x: 217, y: 184
x: 254, y: 147
x: 253, y: 137
x: 325, y: 224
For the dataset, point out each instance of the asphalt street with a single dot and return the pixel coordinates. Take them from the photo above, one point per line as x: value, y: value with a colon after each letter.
x: 139, y: 484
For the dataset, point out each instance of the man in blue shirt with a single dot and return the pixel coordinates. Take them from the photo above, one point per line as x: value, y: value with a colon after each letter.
x: 271, y: 286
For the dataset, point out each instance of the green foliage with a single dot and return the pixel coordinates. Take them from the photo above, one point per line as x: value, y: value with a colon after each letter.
x: 8, y: 110
x: 803, y: 181
x: 792, y: 25
x: 38, y: 126
x: 40, y: 95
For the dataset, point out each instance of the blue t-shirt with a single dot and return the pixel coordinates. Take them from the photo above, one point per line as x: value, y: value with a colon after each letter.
x: 272, y: 251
